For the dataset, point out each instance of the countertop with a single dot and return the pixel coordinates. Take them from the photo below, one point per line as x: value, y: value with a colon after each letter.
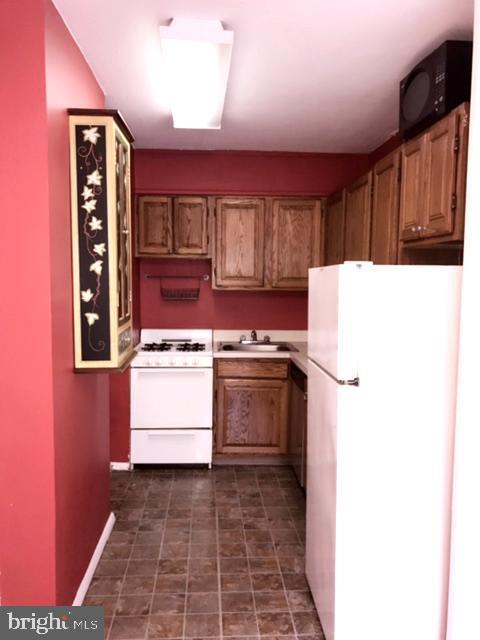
x: 299, y: 357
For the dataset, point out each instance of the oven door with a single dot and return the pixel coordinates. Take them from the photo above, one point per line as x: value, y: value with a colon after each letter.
x: 171, y: 398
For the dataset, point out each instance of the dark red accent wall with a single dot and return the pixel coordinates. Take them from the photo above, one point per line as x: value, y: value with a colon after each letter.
x: 245, y: 172
x: 239, y: 173
x: 54, y: 485
x: 216, y: 309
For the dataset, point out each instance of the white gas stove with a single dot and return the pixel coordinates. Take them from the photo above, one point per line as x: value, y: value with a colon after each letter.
x: 175, y: 348
x: 171, y: 412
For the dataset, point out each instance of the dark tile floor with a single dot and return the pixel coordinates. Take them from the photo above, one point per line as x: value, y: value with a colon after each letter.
x: 206, y: 554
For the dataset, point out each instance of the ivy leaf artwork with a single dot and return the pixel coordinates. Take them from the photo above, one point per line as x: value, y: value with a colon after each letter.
x: 90, y: 190
x: 86, y: 295
x: 91, y: 318
x: 97, y: 267
x: 91, y: 135
x: 87, y: 193
x: 95, y: 224
x: 95, y: 178
x: 99, y: 248
x: 89, y: 205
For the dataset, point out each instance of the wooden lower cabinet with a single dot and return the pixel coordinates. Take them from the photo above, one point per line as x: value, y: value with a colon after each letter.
x: 252, y: 411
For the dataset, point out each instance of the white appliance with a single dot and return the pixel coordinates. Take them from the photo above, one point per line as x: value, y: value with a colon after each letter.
x: 171, y: 409
x: 382, y: 347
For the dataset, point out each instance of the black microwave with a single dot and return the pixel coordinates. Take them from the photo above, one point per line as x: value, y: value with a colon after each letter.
x: 435, y: 86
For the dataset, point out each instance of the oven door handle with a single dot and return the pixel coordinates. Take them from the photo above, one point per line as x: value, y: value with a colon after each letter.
x: 179, y: 370
x: 165, y: 434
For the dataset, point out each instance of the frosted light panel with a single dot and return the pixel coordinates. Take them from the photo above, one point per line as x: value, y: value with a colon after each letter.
x: 196, y: 55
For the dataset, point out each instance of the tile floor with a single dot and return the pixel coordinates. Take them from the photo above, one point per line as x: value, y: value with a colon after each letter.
x: 206, y: 554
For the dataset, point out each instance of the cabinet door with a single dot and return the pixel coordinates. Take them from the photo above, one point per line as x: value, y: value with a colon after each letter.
x: 335, y: 229
x: 357, y: 218
x: 295, y: 241
x: 252, y: 416
x: 239, y: 259
x: 440, y: 160
x: 154, y: 225
x: 297, y: 437
x: 412, y: 189
x: 385, y: 201
x: 190, y: 226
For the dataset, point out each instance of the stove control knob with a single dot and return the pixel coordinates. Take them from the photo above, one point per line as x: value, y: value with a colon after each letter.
x: 172, y: 363
x: 148, y: 363
x: 157, y: 363
x: 185, y: 363
x: 195, y: 362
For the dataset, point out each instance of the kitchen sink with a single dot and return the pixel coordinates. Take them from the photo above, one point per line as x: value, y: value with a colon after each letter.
x: 257, y: 346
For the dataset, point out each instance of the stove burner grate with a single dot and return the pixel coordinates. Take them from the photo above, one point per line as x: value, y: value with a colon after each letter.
x: 157, y: 346
x: 189, y: 346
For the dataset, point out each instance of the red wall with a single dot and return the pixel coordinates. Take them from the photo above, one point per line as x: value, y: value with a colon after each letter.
x: 27, y: 500
x: 54, y: 484
x: 245, y: 172
x: 233, y: 172
x: 81, y: 401
x: 216, y: 309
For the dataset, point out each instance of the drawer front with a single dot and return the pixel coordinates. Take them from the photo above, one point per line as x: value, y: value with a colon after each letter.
x: 272, y: 369
x: 173, y: 446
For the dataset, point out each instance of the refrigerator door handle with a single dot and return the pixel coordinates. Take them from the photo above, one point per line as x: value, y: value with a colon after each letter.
x: 355, y: 382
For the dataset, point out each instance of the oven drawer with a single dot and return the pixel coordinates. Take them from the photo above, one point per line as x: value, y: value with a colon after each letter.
x: 171, y: 398
x: 172, y: 446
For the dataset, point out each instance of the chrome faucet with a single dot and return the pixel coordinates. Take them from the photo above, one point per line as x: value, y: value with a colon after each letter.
x: 253, y: 335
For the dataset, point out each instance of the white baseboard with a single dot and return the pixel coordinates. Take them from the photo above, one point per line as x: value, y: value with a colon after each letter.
x: 87, y: 578
x: 120, y: 466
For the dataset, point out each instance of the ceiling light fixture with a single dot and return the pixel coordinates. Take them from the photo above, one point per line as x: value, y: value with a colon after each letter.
x: 196, y: 55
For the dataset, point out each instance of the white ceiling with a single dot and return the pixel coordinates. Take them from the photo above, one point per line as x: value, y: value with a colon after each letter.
x: 306, y: 75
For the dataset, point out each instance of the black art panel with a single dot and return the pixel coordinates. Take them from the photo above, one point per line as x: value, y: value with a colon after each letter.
x: 93, y: 241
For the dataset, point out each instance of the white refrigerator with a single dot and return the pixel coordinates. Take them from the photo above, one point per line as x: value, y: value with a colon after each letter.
x: 382, y: 347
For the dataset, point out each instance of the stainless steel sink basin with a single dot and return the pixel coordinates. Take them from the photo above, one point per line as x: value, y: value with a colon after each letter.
x: 257, y: 346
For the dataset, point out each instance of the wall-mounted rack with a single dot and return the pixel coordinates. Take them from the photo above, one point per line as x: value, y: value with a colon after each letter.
x: 179, y: 293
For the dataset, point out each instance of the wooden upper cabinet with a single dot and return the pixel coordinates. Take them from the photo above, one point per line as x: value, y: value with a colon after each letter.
x: 432, y: 196
x: 357, y: 218
x: 190, y: 226
x: 172, y: 227
x: 240, y: 237
x: 385, y: 203
x: 440, y: 156
x: 155, y: 232
x: 411, y: 191
x: 335, y: 229
x: 296, y: 241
